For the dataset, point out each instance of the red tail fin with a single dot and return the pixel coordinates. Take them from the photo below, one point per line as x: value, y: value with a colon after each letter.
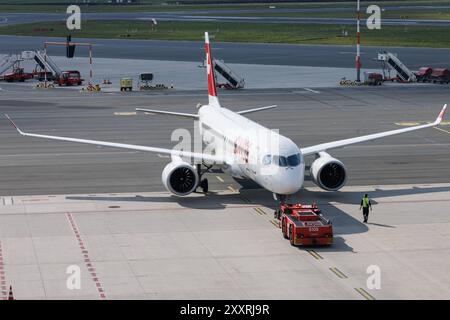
x: 212, y: 91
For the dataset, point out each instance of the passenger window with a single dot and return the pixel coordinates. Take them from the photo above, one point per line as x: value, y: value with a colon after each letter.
x: 267, y: 159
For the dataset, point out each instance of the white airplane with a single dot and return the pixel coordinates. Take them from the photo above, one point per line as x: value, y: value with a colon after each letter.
x: 275, y: 163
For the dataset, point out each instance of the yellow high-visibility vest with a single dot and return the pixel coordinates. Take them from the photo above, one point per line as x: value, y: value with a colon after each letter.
x: 365, y: 202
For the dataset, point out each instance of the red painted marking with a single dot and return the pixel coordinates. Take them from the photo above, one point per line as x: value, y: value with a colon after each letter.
x: 4, y: 293
x: 85, y: 254
x: 442, y: 113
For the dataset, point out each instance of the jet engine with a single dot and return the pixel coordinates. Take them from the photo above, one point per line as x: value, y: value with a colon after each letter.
x: 180, y: 178
x: 328, y: 173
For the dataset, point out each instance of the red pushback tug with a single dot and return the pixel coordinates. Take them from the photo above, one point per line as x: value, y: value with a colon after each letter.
x: 305, y: 225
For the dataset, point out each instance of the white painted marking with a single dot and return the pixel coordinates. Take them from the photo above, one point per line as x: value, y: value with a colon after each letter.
x: 311, y: 90
x: 440, y: 129
x: 62, y: 154
x: 7, y: 201
x: 163, y: 156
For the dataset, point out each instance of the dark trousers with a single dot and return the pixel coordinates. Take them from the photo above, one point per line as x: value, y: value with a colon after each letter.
x: 366, y: 213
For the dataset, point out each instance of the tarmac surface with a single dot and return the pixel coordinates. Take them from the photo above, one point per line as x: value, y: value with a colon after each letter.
x: 308, y: 117
x: 247, y: 53
x: 66, y: 207
x: 224, y: 246
x: 186, y: 75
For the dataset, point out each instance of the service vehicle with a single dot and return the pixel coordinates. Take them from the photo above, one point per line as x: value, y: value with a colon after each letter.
x: 126, y: 84
x: 305, y: 225
x: 440, y: 75
x: 373, y: 79
x: 424, y: 74
x: 69, y: 78
x: 18, y: 74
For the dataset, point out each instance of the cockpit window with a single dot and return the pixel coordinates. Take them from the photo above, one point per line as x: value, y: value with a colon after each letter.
x: 267, y: 159
x: 294, y: 160
x: 280, y: 160
x: 291, y: 161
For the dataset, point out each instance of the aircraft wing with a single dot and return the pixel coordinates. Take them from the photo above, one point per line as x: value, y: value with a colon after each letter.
x: 342, y: 143
x: 173, y: 153
x: 256, y: 109
x: 170, y: 113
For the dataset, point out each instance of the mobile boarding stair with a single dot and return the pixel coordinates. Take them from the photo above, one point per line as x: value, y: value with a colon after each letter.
x: 9, y: 61
x: 46, y: 63
x: 390, y: 62
x: 234, y: 81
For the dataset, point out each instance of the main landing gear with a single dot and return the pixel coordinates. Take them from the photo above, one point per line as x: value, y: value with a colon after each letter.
x: 204, y: 185
x: 203, y: 182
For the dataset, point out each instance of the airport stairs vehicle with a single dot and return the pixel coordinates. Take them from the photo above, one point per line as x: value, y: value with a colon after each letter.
x: 8, y: 62
x: 391, y: 61
x: 46, y: 63
x: 234, y: 80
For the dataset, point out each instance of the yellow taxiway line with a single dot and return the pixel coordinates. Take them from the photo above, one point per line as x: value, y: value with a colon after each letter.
x: 365, y: 294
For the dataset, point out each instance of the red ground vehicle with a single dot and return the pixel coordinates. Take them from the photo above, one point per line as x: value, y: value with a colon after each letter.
x: 374, y: 79
x: 424, y: 74
x: 17, y: 75
x: 440, y: 75
x: 305, y: 225
x: 69, y: 78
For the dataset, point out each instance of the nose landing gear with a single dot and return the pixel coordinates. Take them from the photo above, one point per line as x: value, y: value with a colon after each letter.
x: 282, y: 199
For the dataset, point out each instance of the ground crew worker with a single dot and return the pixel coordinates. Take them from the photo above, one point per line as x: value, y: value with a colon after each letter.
x: 365, y: 205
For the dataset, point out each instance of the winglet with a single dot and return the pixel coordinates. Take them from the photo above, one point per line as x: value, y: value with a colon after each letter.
x: 212, y: 91
x: 441, y: 115
x: 14, y: 125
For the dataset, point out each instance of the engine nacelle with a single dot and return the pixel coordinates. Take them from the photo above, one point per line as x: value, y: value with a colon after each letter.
x: 180, y: 178
x: 328, y: 173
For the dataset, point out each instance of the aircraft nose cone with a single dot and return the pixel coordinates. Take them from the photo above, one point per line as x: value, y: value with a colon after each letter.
x: 291, y: 181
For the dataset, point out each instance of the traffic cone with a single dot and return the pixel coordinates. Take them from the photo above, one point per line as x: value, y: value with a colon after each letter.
x: 10, y: 295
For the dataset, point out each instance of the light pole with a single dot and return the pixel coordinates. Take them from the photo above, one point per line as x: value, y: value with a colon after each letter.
x: 358, y: 43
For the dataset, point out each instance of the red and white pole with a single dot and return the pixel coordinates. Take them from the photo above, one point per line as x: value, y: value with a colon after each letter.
x: 358, y: 43
x: 90, y: 62
x: 45, y: 65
